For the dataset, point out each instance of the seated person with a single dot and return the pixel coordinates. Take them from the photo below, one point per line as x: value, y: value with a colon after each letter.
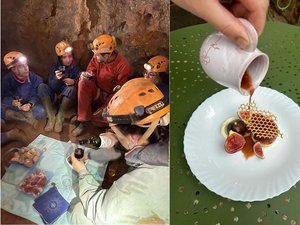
x: 63, y: 81
x: 139, y: 154
x: 142, y: 195
x: 106, y: 72
x: 19, y: 89
x: 156, y: 69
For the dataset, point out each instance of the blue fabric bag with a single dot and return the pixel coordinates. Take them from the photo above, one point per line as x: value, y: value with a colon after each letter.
x: 51, y: 205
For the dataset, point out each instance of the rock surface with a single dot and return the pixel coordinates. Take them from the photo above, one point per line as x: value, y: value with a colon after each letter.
x: 34, y: 27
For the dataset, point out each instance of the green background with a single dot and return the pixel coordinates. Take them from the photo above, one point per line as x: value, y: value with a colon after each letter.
x: 191, y: 202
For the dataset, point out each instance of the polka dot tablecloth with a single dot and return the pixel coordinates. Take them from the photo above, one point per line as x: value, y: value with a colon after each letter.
x: 191, y: 202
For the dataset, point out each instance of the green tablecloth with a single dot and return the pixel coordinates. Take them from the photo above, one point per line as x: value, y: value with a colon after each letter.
x: 191, y: 202
x: 52, y: 161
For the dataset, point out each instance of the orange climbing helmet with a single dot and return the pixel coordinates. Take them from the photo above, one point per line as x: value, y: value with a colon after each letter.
x: 62, y: 48
x: 11, y: 58
x: 157, y: 64
x: 138, y: 102
x: 104, y: 44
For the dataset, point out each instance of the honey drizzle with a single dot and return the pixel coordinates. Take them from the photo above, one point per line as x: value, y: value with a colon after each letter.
x: 248, y: 147
x: 247, y: 84
x: 250, y: 108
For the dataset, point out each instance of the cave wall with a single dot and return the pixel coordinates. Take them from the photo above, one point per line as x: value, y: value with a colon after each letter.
x: 285, y: 11
x: 34, y: 27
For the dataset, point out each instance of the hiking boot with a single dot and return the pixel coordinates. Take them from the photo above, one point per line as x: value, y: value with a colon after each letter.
x: 79, y: 129
x: 50, y: 111
x: 65, y: 105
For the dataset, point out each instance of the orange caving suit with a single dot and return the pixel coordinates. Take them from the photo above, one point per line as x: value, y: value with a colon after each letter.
x: 107, y: 75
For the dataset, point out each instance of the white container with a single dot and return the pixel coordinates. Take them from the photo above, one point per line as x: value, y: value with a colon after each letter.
x: 226, y: 63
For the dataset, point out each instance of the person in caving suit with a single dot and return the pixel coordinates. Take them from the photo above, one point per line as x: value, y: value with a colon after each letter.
x: 107, y: 71
x: 63, y: 81
x: 142, y: 195
x: 19, y: 91
x: 157, y: 70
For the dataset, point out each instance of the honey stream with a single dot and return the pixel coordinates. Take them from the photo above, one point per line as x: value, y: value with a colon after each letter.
x: 247, y: 84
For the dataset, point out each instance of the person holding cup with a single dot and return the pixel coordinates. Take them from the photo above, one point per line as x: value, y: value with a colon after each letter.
x: 142, y: 195
x: 139, y: 150
x: 19, y: 91
x: 63, y: 81
x: 107, y: 71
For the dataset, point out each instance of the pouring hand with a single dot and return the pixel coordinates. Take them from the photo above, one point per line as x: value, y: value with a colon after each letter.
x: 225, y: 19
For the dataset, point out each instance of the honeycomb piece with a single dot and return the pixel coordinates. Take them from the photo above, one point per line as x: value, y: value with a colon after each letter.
x: 261, y: 123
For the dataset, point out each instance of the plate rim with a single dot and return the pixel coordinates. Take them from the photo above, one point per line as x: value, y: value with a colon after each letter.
x: 201, y: 179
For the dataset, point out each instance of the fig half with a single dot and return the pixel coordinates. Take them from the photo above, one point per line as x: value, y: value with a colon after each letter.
x: 257, y: 148
x: 234, y: 142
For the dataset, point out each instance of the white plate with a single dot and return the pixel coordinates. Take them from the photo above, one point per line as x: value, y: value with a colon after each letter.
x: 232, y: 175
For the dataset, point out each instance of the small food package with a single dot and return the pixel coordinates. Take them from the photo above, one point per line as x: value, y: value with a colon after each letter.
x: 26, y: 156
x: 34, y: 183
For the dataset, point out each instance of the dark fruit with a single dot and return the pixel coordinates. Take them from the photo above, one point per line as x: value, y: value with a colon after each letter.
x: 234, y: 142
x: 258, y: 150
x: 237, y: 126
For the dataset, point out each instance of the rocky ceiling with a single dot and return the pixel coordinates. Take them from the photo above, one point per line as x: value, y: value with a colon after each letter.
x: 34, y: 27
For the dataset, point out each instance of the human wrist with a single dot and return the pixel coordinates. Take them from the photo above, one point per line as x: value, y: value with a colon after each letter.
x: 83, y: 172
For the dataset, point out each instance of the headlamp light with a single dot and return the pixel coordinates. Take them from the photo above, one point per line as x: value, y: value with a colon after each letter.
x: 148, y: 66
x: 68, y: 49
x: 22, y: 59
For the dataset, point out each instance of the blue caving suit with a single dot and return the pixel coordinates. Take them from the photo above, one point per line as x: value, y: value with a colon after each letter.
x: 57, y: 86
x: 28, y: 91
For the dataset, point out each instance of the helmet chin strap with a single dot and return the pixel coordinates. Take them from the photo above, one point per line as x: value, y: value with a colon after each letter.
x: 121, y: 137
x: 148, y: 132
x: 124, y: 140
